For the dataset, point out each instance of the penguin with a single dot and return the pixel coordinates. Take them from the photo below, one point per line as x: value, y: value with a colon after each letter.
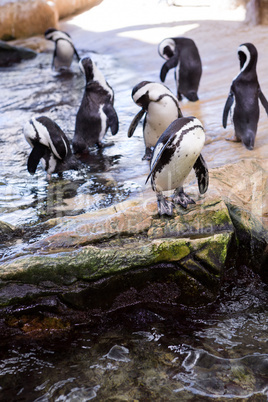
x: 177, y: 151
x: 243, y: 99
x: 183, y: 55
x: 64, y: 50
x: 160, y: 107
x: 50, y: 146
x: 96, y: 113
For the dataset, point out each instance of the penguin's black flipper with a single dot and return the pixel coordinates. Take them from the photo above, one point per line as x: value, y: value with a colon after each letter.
x: 135, y: 122
x: 263, y: 100
x: 112, y: 117
x: 168, y: 65
x: 159, y: 149
x: 201, y: 172
x: 37, y: 153
x: 226, y: 109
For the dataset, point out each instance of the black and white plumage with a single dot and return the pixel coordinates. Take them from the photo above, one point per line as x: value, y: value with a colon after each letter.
x: 160, y: 107
x: 64, y: 50
x: 96, y: 113
x: 182, y: 54
x: 177, y: 151
x: 244, y: 96
x: 49, y: 145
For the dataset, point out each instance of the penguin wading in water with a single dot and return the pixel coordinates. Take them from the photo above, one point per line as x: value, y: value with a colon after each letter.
x: 64, y: 50
x: 96, y: 113
x: 177, y: 151
x: 183, y: 55
x: 160, y: 107
x: 50, y: 146
x: 243, y: 99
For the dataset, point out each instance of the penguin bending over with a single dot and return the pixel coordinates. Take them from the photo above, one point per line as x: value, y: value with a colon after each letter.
x: 64, y: 50
x: 246, y: 92
x: 96, y: 113
x: 177, y: 151
x: 183, y: 55
x: 160, y: 107
x: 50, y: 146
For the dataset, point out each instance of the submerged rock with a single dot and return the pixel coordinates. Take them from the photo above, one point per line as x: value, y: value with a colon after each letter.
x: 6, y: 231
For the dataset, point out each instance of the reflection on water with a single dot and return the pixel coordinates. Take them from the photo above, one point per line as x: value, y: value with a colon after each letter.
x: 143, y: 356
x: 154, y: 354
x: 213, y: 376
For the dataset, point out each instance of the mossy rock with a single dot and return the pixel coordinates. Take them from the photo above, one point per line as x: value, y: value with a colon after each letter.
x: 90, y: 264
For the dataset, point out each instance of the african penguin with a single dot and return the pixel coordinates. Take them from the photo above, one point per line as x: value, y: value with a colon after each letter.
x: 182, y: 54
x: 160, y: 107
x: 49, y: 145
x: 96, y: 113
x: 64, y: 50
x: 246, y: 92
x: 177, y: 151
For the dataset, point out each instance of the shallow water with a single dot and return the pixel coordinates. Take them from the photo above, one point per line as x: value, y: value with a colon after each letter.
x: 105, y: 176
x: 215, y: 352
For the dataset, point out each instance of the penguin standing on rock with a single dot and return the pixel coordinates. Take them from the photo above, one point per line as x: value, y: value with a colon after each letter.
x: 182, y: 54
x: 160, y: 107
x: 96, y: 113
x: 50, y: 146
x: 64, y: 48
x: 177, y: 151
x: 246, y: 92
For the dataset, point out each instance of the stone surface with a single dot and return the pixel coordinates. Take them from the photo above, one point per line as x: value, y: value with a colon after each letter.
x: 245, y: 185
x: 131, y: 252
x: 6, y: 230
x: 66, y: 8
x: 114, y: 244
x: 262, y: 7
x: 32, y: 17
x: 26, y: 18
x: 12, y: 54
x: 36, y: 43
x: 244, y: 188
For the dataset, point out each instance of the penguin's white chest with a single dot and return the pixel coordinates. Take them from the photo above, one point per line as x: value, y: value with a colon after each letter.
x: 64, y: 54
x: 159, y: 116
x: 103, y: 123
x: 172, y: 172
x: 50, y: 165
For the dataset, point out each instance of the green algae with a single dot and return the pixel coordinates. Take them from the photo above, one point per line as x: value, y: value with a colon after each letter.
x: 91, y: 263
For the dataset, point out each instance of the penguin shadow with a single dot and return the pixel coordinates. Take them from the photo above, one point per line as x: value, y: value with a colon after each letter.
x: 65, y: 74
